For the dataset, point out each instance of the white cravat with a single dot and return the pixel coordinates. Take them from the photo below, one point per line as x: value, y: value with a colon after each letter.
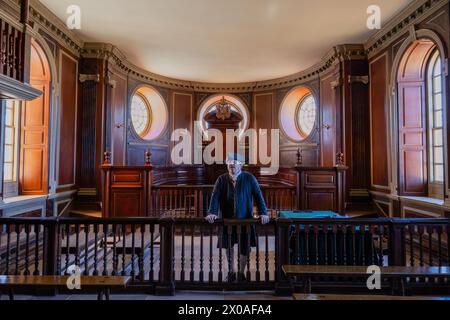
x: 234, y: 178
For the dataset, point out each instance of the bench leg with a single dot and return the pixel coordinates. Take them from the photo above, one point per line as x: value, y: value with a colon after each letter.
x: 11, y: 294
x: 107, y: 292
x: 307, y: 285
x: 402, y: 286
x: 100, y: 295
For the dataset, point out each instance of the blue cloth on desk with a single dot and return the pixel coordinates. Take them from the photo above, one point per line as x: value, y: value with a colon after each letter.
x: 309, y: 214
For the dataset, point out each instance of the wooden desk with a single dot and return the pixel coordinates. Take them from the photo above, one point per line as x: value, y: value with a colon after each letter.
x: 102, y: 285
x: 400, y: 273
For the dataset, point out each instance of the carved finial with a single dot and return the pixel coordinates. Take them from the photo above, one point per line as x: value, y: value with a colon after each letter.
x: 148, y: 156
x: 299, y: 157
x: 107, y: 158
x: 340, y: 159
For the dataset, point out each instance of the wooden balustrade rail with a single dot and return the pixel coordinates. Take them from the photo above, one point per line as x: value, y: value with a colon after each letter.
x: 132, y: 191
x: 164, y: 253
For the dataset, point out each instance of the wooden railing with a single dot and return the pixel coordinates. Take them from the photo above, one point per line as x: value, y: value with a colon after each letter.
x: 194, y: 200
x: 164, y: 253
x: 12, y: 43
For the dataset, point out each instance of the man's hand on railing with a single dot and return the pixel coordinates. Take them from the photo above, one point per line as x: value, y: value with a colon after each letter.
x: 211, y: 218
x: 264, y: 218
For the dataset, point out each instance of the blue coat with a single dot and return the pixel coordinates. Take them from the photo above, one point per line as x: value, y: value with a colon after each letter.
x: 229, y: 202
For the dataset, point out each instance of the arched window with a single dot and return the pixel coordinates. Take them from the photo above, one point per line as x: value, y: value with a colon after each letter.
x: 298, y: 114
x: 306, y: 115
x: 141, y: 117
x: 435, y: 119
x: 421, y: 121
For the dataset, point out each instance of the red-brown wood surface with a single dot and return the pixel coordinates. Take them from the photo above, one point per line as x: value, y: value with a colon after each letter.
x: 68, y: 117
x: 34, y: 128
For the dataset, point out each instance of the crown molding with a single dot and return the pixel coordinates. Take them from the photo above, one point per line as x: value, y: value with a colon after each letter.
x: 113, y: 55
x: 45, y: 20
x: 402, y: 24
x: 16, y: 90
x: 51, y: 24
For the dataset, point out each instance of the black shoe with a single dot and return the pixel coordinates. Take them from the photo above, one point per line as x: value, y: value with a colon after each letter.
x: 231, y: 277
x: 241, y: 277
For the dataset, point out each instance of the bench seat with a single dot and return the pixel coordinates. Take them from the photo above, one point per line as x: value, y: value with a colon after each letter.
x: 101, y: 284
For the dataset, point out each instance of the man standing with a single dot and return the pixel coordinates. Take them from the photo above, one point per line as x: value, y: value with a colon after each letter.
x: 232, y: 198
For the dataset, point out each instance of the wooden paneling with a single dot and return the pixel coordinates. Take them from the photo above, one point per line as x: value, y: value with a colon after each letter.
x: 379, y: 123
x: 68, y: 120
x: 182, y: 111
x: 328, y: 125
x: 34, y: 128
x: 263, y: 116
x: 118, y: 96
x: 126, y: 191
x: 322, y: 188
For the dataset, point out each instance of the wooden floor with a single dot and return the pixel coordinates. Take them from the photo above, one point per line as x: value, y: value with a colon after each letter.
x: 180, y: 295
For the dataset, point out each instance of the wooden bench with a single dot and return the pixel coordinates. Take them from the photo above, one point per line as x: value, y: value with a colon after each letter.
x: 346, y: 297
x: 102, y: 285
x: 306, y: 272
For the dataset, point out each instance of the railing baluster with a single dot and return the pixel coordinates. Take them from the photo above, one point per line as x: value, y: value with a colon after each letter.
x: 430, y: 245
x: 229, y: 249
x: 86, y: 249
x: 325, y: 232
x: 152, y: 252
x: 8, y: 247
x: 133, y: 249
x: 354, y: 245
x: 316, y: 240
x: 141, y: 254
x: 381, y: 256
x: 335, y: 254
x: 191, y: 274
x: 258, y: 272
x: 77, y: 245
x: 115, y: 256
x: 67, y: 248
x: 344, y: 245
x: 240, y: 272
x: 183, y: 236
x: 201, y: 255
x: 16, y: 272
x: 219, y: 234
x: 411, y: 244
x: 297, y: 245
x: 36, y: 250
x: 211, y: 274
x: 105, y: 249
x: 421, y: 257
x: 124, y: 249
x: 95, y: 249
x: 307, y: 251
x: 27, y: 249
x: 439, y: 231
x: 363, y: 244
x: 266, y: 272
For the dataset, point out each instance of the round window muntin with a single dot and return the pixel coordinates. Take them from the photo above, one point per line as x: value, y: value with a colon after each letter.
x: 146, y: 129
x: 298, y: 110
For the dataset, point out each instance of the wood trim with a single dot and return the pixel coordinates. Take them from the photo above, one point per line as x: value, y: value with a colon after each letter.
x: 57, y: 151
x: 385, y: 56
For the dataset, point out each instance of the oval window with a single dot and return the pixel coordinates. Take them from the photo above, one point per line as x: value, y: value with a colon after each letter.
x: 306, y: 115
x: 140, y: 115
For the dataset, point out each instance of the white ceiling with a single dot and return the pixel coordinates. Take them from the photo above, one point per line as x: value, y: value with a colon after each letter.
x: 225, y: 40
